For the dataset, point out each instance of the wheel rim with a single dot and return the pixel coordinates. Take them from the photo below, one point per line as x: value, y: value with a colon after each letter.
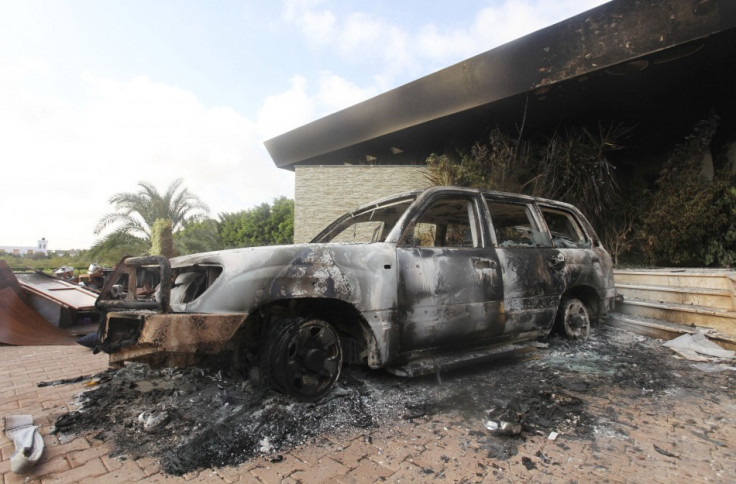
x: 312, y: 359
x: 577, y: 323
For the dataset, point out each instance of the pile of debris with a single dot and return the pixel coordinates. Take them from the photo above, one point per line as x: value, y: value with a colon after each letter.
x: 193, y: 418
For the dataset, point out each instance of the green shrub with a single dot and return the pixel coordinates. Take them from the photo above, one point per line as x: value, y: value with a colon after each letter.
x: 689, y: 219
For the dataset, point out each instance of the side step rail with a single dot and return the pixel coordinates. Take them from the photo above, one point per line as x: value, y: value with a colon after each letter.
x: 434, y: 364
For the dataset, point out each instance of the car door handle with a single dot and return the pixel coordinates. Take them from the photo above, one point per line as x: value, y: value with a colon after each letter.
x: 557, y: 261
x: 484, y: 264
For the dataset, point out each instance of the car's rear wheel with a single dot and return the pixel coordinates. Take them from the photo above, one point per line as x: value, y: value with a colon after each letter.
x: 573, y: 319
x: 302, y: 357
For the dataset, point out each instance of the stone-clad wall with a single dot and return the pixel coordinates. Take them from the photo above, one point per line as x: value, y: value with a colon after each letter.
x: 323, y: 193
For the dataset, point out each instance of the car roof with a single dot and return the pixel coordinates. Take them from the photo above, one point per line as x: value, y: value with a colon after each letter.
x: 413, y: 194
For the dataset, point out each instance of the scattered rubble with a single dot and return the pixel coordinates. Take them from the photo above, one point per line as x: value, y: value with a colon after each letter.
x: 697, y: 347
x: 192, y: 418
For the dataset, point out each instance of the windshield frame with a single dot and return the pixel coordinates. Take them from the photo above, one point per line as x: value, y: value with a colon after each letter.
x: 346, y: 220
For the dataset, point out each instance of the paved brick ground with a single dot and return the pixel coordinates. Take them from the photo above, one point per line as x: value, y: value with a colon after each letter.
x: 696, y: 431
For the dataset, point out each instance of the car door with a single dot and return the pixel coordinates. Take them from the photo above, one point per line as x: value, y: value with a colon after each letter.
x: 586, y: 263
x: 531, y: 268
x: 449, y: 285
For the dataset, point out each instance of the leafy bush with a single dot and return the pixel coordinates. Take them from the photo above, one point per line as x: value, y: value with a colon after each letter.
x: 263, y: 225
x: 690, y: 220
x: 113, y: 247
x: 198, y: 236
x: 570, y: 166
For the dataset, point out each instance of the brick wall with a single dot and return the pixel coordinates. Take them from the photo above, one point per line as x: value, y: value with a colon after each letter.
x: 323, y: 193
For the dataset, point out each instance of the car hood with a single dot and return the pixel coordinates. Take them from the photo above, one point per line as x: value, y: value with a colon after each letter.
x: 254, y: 276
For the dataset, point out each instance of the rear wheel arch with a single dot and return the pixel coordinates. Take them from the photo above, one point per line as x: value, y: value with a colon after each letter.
x: 573, y: 319
x: 578, y: 311
x: 588, y: 296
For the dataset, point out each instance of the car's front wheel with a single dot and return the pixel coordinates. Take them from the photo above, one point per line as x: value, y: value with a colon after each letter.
x: 573, y: 319
x: 302, y: 357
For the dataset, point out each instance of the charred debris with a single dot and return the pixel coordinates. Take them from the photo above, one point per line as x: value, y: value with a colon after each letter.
x: 194, y: 418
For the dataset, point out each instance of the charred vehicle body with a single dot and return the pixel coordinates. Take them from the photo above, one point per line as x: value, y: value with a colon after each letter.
x: 412, y: 283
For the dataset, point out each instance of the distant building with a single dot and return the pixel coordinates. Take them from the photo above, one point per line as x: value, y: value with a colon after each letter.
x: 40, y: 248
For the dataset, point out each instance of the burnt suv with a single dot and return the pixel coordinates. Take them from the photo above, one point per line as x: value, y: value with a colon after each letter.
x: 414, y: 283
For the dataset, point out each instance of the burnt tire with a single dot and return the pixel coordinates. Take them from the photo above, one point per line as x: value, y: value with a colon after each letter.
x: 302, y: 357
x: 573, y: 320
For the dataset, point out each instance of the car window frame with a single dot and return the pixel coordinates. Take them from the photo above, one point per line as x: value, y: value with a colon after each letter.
x: 422, y: 205
x: 531, y: 208
x: 589, y: 239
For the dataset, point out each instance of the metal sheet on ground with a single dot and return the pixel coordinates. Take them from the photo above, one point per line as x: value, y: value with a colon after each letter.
x: 21, y: 325
x: 8, y: 279
x: 58, y: 291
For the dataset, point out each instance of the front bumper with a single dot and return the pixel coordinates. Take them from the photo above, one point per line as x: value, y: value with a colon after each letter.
x: 138, y: 324
x: 172, y: 339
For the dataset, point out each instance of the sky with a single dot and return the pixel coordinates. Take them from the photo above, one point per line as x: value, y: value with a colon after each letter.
x: 96, y: 96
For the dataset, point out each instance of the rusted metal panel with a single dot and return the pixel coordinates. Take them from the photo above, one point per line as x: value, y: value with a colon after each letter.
x: 58, y: 291
x: 60, y: 302
x: 196, y: 333
x: 154, y: 334
x: 20, y: 323
x: 152, y: 292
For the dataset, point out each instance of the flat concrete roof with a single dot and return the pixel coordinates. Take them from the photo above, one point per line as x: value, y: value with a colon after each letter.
x: 639, y: 62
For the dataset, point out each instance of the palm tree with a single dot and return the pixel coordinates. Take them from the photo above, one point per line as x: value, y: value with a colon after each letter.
x: 137, y: 212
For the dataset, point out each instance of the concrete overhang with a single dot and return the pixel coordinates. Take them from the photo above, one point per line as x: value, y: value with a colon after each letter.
x: 626, y: 60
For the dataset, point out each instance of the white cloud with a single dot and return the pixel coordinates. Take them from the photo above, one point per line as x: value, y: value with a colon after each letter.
x: 495, y: 26
x: 302, y: 103
x: 65, y: 162
x: 336, y: 93
x: 397, y: 51
x: 14, y: 72
x: 317, y: 24
x: 287, y: 110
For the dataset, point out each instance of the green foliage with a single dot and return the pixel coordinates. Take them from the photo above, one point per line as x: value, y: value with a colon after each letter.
x: 575, y: 169
x: 136, y: 212
x: 198, y: 236
x: 110, y: 249
x: 162, y: 242
x: 570, y: 166
x: 495, y: 165
x: 79, y: 261
x: 262, y: 225
x: 444, y: 171
x: 282, y: 215
x: 690, y: 220
x: 722, y: 251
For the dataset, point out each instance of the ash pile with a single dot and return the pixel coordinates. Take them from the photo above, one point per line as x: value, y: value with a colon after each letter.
x: 194, y: 418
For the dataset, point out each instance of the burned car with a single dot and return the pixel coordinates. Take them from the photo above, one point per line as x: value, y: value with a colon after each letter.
x: 414, y: 283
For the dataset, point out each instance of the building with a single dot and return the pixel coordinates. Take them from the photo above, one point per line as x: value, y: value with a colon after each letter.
x: 40, y: 248
x: 659, y: 66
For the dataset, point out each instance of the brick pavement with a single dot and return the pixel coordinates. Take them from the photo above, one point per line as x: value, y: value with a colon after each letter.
x: 696, y: 432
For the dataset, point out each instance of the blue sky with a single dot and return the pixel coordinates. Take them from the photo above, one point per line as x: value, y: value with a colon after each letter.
x: 98, y: 95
